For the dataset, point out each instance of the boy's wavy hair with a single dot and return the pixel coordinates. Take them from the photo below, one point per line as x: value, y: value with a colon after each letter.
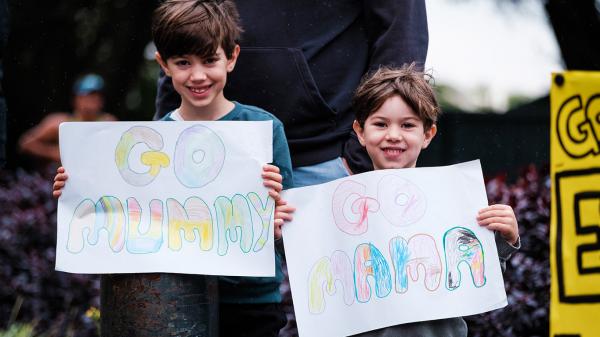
x: 195, y: 27
x: 411, y: 84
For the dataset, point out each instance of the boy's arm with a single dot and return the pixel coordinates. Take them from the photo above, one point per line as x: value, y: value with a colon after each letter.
x: 505, y: 249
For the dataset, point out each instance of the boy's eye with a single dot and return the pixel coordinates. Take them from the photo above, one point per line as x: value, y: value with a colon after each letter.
x: 379, y: 124
x: 408, y: 125
x: 211, y: 60
x: 182, y: 62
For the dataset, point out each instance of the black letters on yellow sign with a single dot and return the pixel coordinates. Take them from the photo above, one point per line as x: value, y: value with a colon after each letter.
x: 578, y: 235
x: 575, y: 200
x: 578, y: 126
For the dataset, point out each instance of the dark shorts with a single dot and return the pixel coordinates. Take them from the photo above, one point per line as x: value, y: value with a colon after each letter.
x: 251, y: 320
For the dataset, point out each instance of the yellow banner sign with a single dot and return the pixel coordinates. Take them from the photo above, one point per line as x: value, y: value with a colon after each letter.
x: 575, y: 221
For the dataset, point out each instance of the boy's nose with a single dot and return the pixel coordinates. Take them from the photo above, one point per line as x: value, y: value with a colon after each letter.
x: 198, y: 74
x: 394, y: 134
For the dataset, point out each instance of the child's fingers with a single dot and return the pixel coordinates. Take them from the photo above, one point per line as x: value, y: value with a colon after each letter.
x: 272, y: 176
x: 508, y: 232
x: 277, y: 186
x: 56, y: 193
x: 504, y: 229
x: 274, y: 195
x: 495, y: 219
x: 58, y: 185
x: 60, y: 169
x: 285, y: 208
x: 490, y: 213
x: 61, y: 177
x: 284, y: 216
x: 270, y: 168
x: 495, y: 208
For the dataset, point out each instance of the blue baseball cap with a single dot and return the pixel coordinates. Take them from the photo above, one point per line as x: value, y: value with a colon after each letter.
x: 88, y: 84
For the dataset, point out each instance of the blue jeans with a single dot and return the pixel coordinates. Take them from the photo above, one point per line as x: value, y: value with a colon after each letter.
x: 306, y: 176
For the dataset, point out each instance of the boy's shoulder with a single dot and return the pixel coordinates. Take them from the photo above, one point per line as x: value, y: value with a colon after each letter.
x: 245, y: 112
x: 167, y: 117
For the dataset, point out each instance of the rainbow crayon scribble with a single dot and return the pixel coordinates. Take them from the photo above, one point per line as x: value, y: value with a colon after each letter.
x: 146, y: 237
x: 90, y: 218
x: 110, y: 217
x: 368, y: 261
x: 81, y: 225
x: 420, y: 250
x: 199, y: 156
x: 353, y: 221
x: 194, y: 219
x: 462, y: 246
x: 371, y: 269
x: 402, y: 202
x: 155, y: 159
x: 191, y: 221
x: 324, y: 273
x: 265, y: 212
x: 232, y: 214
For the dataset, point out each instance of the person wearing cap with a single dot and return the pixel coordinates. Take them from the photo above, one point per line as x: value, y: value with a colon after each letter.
x: 88, y: 100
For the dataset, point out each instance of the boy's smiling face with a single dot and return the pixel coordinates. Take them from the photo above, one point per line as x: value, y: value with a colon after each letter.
x: 200, y: 82
x: 394, y: 135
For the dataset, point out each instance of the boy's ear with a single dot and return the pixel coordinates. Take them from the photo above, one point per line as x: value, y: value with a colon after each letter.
x: 359, y: 132
x: 234, y: 55
x: 162, y: 63
x: 429, y: 134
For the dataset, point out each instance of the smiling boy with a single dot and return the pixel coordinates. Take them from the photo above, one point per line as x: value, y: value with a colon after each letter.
x: 396, y: 112
x: 196, y: 46
x: 396, y: 115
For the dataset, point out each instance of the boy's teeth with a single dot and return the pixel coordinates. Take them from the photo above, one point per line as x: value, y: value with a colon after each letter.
x: 199, y: 90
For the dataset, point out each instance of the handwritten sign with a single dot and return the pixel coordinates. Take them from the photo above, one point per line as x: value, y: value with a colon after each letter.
x: 390, y: 247
x: 184, y: 197
x: 575, y: 220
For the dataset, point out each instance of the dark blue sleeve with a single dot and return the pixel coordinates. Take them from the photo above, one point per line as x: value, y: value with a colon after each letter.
x: 281, y: 155
x: 397, y: 32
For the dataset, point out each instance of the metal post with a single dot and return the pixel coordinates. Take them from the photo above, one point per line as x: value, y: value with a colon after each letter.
x: 158, y: 305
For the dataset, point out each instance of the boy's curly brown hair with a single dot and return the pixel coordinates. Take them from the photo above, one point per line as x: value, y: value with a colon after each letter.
x: 412, y: 85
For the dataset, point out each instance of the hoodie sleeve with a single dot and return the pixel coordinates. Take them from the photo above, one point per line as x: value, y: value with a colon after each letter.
x: 397, y: 31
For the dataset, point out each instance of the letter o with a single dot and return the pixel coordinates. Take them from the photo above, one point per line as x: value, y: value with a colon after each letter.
x: 199, y: 156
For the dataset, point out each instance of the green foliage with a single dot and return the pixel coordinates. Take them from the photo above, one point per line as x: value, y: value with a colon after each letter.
x: 19, y: 330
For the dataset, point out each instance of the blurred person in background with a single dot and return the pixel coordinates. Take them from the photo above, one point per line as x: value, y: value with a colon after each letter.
x: 88, y: 100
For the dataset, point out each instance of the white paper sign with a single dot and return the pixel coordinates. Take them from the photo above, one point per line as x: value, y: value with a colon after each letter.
x: 389, y: 247
x: 183, y: 197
